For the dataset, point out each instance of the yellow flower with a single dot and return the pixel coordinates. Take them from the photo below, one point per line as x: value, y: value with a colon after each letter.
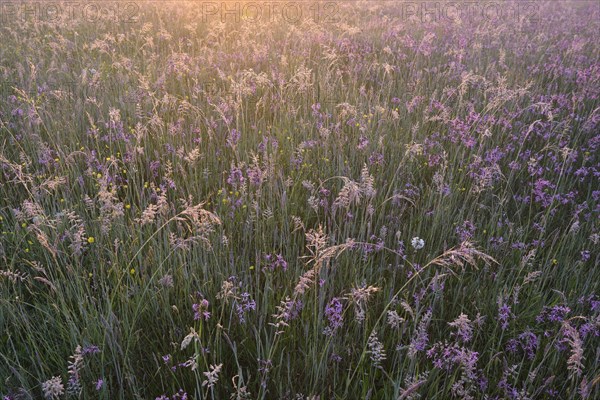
x: 132, y: 271
x: 98, y: 175
x: 91, y: 240
x: 128, y: 206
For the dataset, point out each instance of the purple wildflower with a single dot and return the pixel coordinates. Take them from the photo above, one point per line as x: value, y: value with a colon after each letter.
x: 201, y: 310
x: 504, y: 315
x: 333, y: 312
x: 556, y: 313
x: 245, y: 305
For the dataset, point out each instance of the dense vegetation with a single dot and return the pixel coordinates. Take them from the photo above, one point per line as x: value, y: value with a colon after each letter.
x: 355, y: 204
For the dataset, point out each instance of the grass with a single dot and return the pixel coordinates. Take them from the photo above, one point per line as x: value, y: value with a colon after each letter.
x: 155, y: 171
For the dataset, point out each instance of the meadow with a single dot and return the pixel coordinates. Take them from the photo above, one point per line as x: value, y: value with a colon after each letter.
x: 300, y: 200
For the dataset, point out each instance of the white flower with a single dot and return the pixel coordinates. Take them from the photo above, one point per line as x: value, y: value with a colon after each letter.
x: 417, y: 243
x: 212, y: 376
x: 53, y: 388
x: 376, y: 350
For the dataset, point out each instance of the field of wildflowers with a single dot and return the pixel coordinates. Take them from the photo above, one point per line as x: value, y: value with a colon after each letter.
x: 299, y: 200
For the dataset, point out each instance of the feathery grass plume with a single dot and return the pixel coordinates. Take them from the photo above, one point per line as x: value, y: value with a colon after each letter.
x: 462, y: 255
x: 166, y: 281
x: 228, y: 291
x: 413, y: 383
x: 585, y: 388
x: 394, y: 320
x: 14, y: 276
x: 160, y: 209
x: 76, y: 233
x: 16, y: 173
x: 573, y: 339
x: 367, y: 183
x: 298, y: 224
x: 240, y: 392
x: 111, y: 209
x: 74, y: 368
x: 199, y: 221
x: 359, y: 297
x: 406, y: 307
x: 320, y: 255
x: 350, y: 194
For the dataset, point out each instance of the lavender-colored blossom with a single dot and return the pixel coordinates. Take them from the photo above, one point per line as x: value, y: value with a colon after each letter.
x: 244, y: 306
x: 556, y: 313
x: 465, y: 231
x: 233, y: 138
x: 421, y: 337
x: 275, y: 261
x: 236, y: 178
x: 90, y: 349
x: 504, y: 315
x: 333, y: 313
x: 585, y: 255
x: 201, y: 310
